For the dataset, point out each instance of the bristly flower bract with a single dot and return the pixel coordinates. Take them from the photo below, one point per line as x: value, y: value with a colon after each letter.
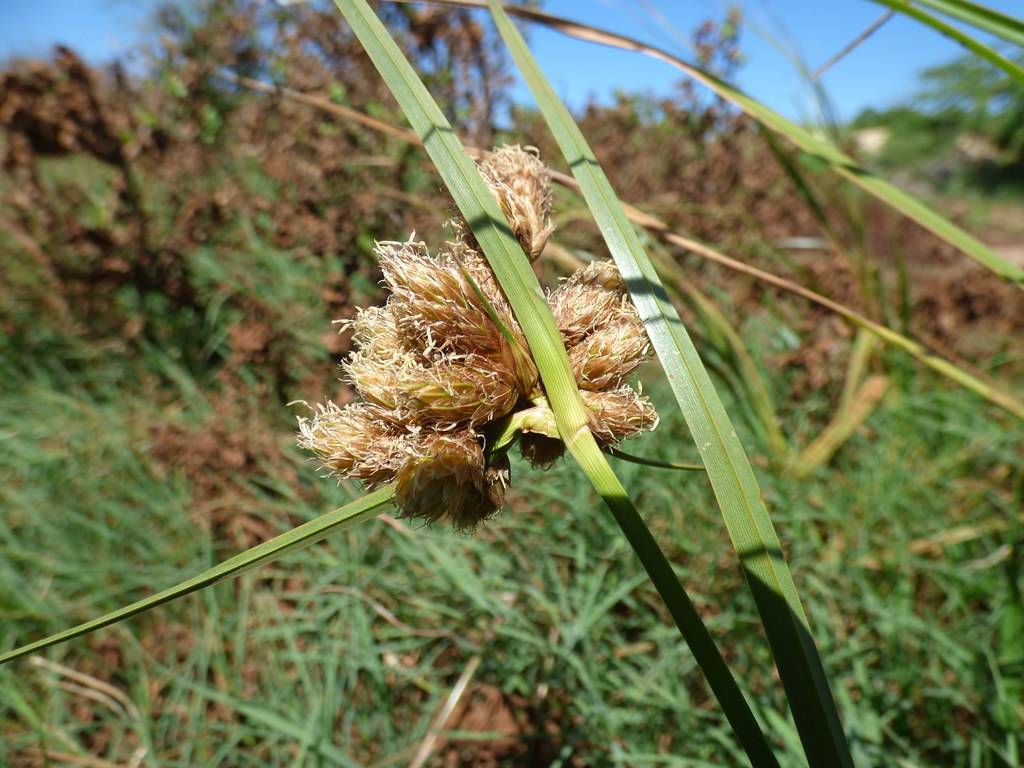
x: 443, y: 364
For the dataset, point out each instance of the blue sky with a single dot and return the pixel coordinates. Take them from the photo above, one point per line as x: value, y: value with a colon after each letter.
x: 880, y: 73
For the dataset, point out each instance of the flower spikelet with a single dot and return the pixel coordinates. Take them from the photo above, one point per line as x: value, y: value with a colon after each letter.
x: 356, y: 441
x: 592, y: 298
x: 606, y: 341
x: 619, y: 414
x: 433, y: 303
x: 375, y: 333
x: 450, y: 304
x: 598, y: 274
x: 521, y: 184
x: 603, y: 359
x: 604, y: 335
x: 449, y: 392
x: 447, y: 479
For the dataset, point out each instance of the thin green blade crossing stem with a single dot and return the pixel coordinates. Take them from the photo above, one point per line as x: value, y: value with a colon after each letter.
x: 678, y: 466
x: 730, y: 473
x: 979, y: 16
x: 972, y: 44
x: 519, y: 283
x: 297, y: 538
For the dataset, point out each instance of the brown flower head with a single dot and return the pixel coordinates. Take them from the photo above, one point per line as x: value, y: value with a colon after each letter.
x: 450, y: 305
x: 603, y: 359
x: 449, y: 392
x: 606, y: 341
x: 591, y: 298
x: 521, y: 183
x: 444, y: 364
x: 446, y: 477
x: 619, y: 414
x: 356, y: 441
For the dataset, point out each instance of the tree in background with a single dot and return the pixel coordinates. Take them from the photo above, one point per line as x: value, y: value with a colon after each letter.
x: 964, y: 125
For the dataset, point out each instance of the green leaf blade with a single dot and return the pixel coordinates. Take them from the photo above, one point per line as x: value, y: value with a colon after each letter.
x: 972, y: 44
x: 988, y: 19
x: 290, y: 541
x: 731, y: 475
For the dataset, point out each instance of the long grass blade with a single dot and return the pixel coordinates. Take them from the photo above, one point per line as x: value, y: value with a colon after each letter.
x: 730, y: 473
x: 972, y: 44
x: 861, y: 352
x: 720, y: 679
x: 519, y: 283
x: 992, y: 21
x: 837, y: 160
x: 297, y: 538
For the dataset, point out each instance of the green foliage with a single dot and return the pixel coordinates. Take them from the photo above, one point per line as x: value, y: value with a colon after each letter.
x: 981, y: 97
x: 963, y: 128
x: 298, y: 656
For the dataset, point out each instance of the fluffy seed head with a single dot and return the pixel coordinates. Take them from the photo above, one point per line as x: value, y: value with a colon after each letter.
x: 521, y: 184
x: 375, y: 333
x: 599, y: 274
x: 592, y: 298
x: 605, y: 337
x: 447, y: 393
x: 433, y: 303
x: 356, y: 441
x: 619, y: 414
x: 450, y: 304
x: 447, y: 479
x: 445, y: 356
x: 603, y: 359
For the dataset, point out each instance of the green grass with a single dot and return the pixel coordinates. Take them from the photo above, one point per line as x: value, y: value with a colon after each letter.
x: 292, y: 664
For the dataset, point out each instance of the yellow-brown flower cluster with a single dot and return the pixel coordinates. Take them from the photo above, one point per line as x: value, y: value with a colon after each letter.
x: 444, y: 361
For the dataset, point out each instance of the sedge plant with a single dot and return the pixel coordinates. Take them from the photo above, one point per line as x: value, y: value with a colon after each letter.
x: 469, y: 357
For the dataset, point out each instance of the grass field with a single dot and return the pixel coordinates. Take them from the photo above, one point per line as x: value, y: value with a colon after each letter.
x: 343, y: 654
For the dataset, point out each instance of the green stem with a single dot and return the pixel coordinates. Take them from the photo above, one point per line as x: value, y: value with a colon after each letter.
x: 618, y: 454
